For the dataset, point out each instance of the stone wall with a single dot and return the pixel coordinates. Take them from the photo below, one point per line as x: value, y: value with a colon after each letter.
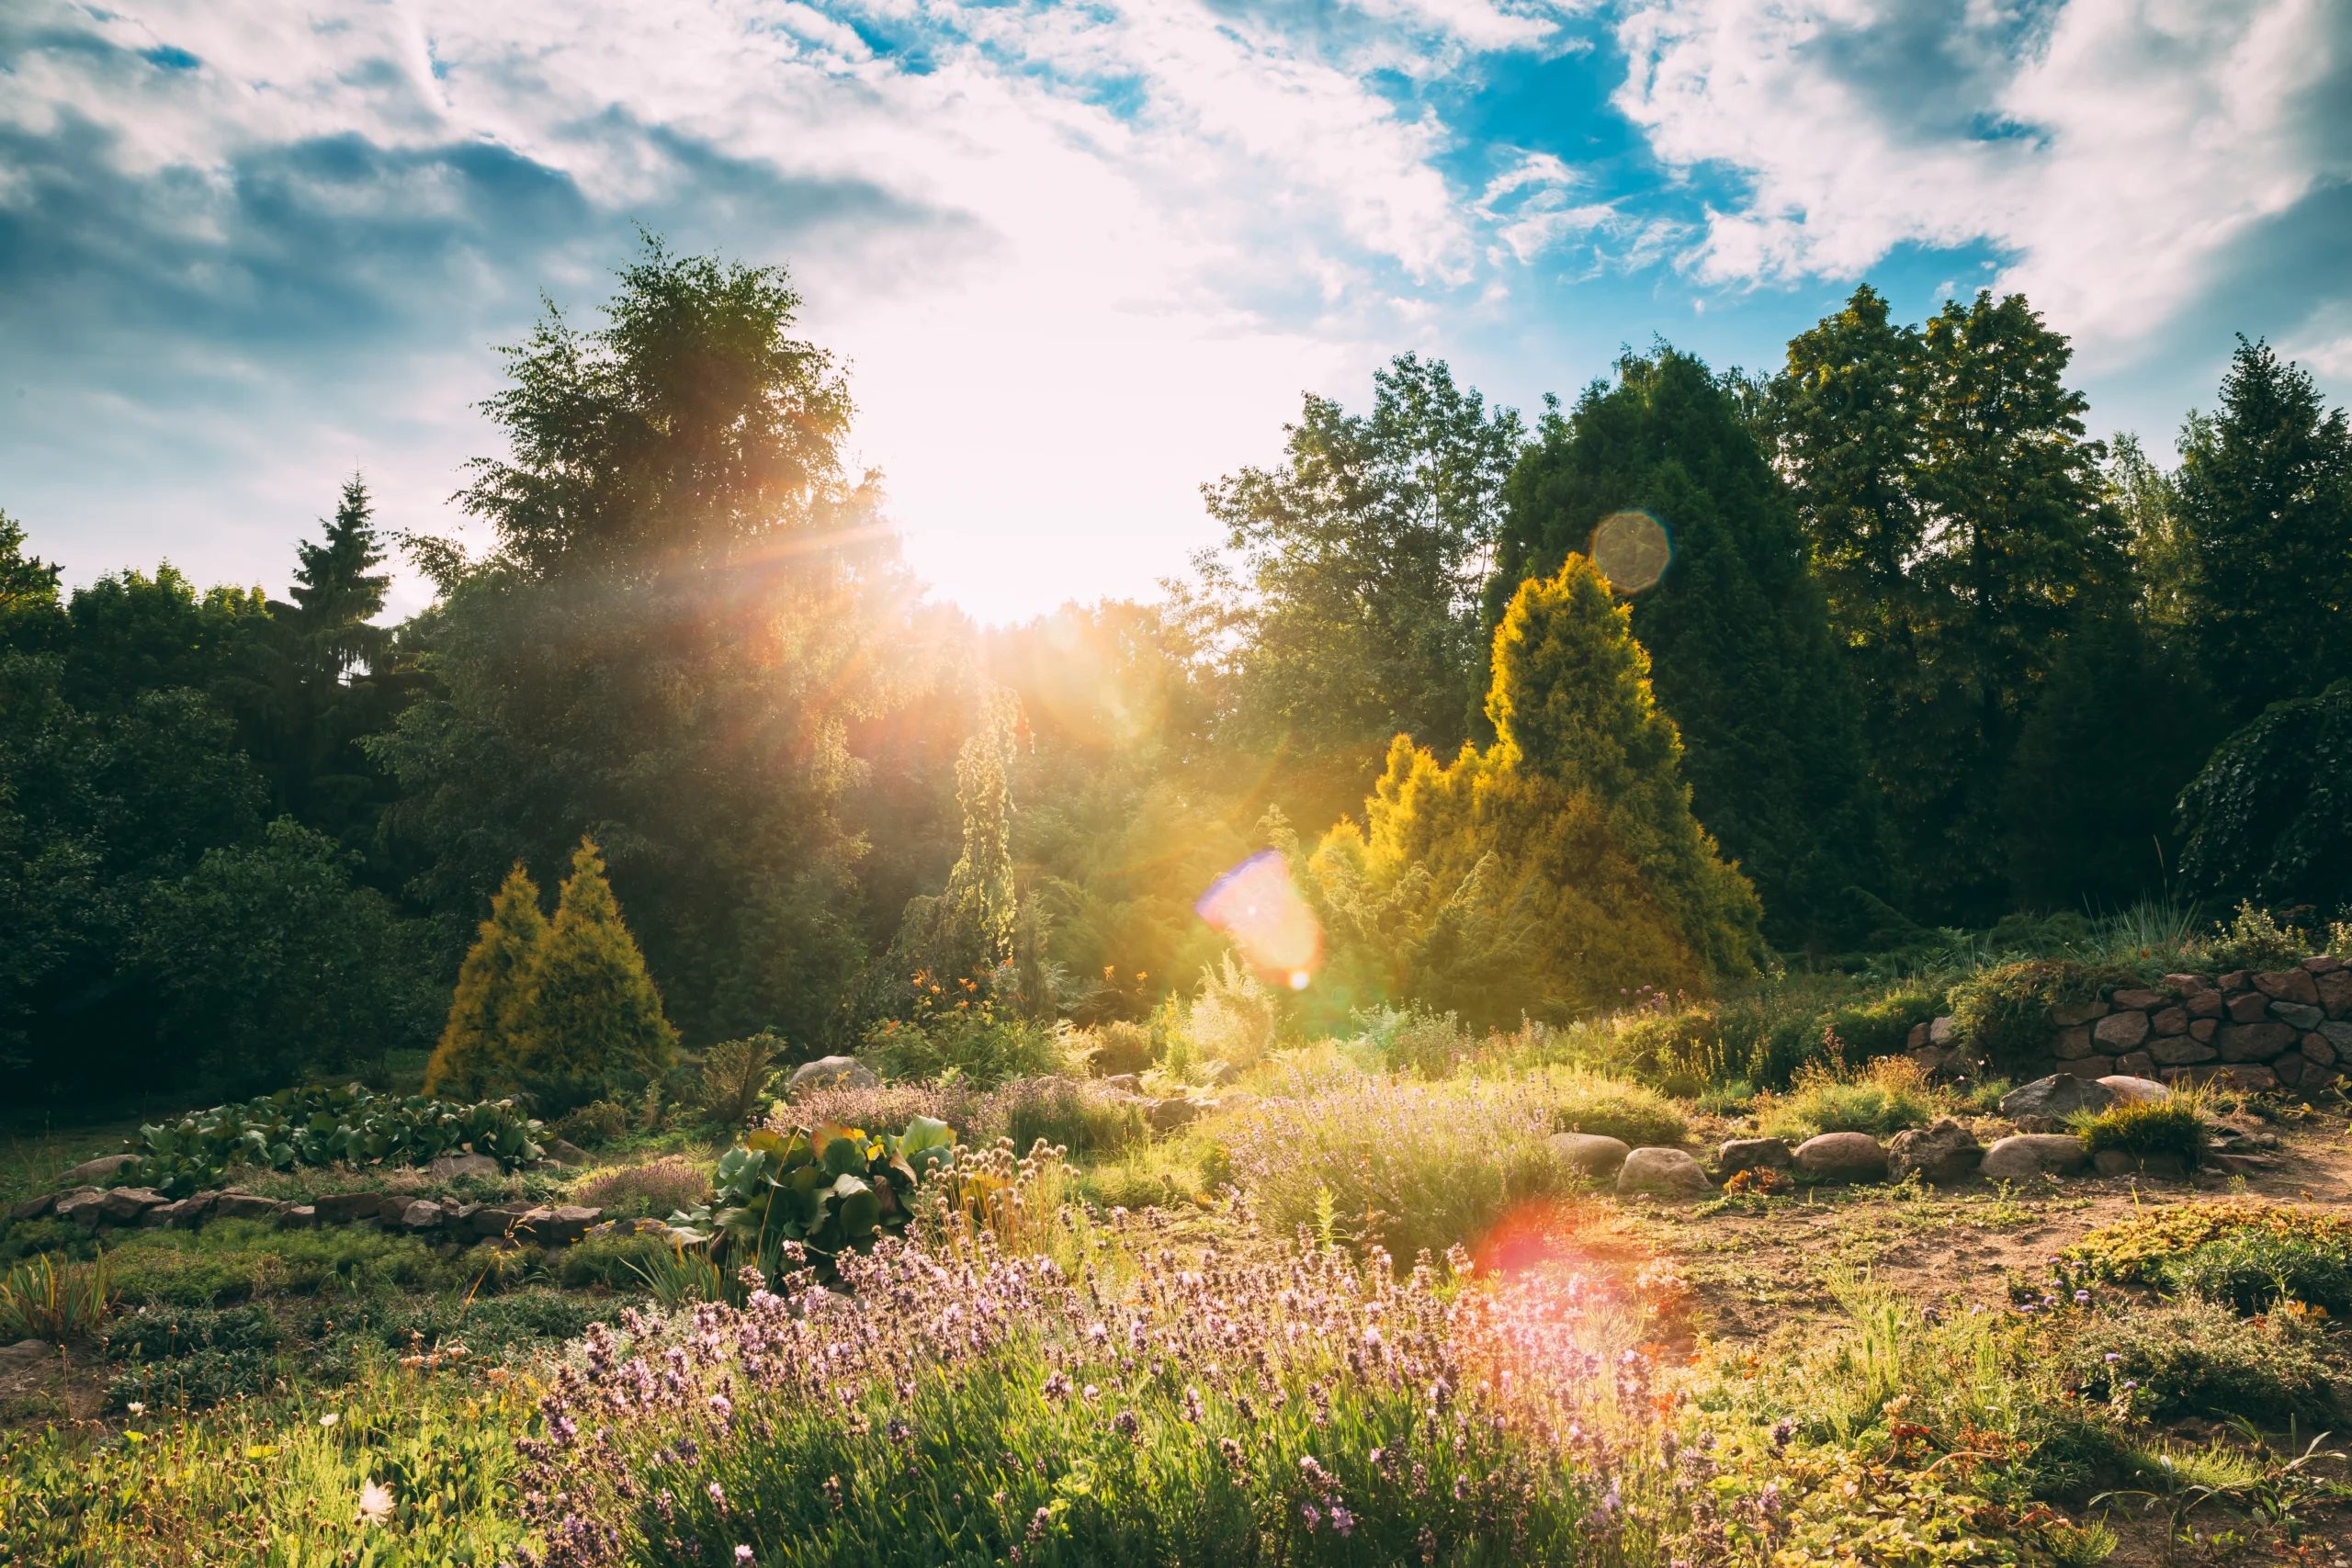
x: 2286, y: 1029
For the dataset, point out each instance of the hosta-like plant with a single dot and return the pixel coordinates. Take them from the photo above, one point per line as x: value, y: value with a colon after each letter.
x: 349, y: 1125
x: 830, y: 1188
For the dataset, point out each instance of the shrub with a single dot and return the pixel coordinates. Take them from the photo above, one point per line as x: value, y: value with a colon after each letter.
x: 2196, y: 1359
x: 653, y: 1188
x: 823, y: 1190
x: 2173, y: 1125
x: 590, y: 1020
x: 480, y: 1041
x: 974, y: 1043
x: 29, y: 1238
x: 1882, y: 1027
x: 616, y: 1261
x: 2139, y: 1250
x: 1084, y: 1118
x: 2005, y: 1012
x: 1121, y: 1047
x: 1233, y: 1019
x: 2252, y: 1271
x: 1889, y: 1096
x: 594, y: 1125
x: 1614, y: 1108
x: 736, y: 1075
x: 1428, y: 1046
x: 192, y: 1356
x: 1398, y: 1165
x: 323, y: 1126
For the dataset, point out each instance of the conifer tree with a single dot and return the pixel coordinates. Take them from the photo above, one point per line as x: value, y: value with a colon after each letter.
x: 590, y: 1016
x: 480, y: 1049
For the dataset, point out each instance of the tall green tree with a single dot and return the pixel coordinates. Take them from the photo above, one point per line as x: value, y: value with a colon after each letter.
x: 2265, y: 503
x: 2269, y: 818
x: 480, y: 1048
x: 1739, y: 636
x: 591, y: 1018
x: 1963, y: 522
x: 1348, y: 590
x: 30, y: 609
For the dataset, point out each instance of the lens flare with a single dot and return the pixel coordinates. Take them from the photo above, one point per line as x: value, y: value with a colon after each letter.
x: 1632, y: 549
x: 1258, y: 905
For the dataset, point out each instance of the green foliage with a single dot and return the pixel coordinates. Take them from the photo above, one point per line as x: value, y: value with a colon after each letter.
x: 1883, y: 1101
x: 233, y: 1260
x: 594, y: 1125
x: 2197, y: 1358
x: 1428, y: 1046
x: 1737, y: 633
x: 826, y: 1190
x: 2173, y: 1125
x: 1614, y: 1108
x: 50, y: 1298
x: 2253, y: 1272
x: 191, y: 1356
x: 2264, y: 498
x: 591, y: 1018
x: 2267, y: 817
x: 737, y: 1076
x: 654, y: 1188
x: 2005, y: 1012
x: 2137, y: 1251
x: 616, y: 1263
x: 1071, y: 1114
x: 323, y: 1126
x: 1120, y: 1047
x: 481, y: 1045
x: 969, y: 1039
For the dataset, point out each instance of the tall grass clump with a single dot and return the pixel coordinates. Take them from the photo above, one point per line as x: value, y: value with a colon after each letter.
x: 1884, y: 1097
x: 45, y: 1297
x: 2173, y: 1125
x: 1398, y: 1165
x: 1586, y: 1101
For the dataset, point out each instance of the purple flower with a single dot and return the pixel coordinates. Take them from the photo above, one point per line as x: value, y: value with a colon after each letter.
x: 2082, y: 1298
x: 718, y: 1497
x: 2112, y: 1357
x: 1342, y: 1521
x: 1312, y: 1514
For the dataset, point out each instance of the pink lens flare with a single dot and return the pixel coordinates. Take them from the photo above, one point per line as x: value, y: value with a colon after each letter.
x: 1258, y: 905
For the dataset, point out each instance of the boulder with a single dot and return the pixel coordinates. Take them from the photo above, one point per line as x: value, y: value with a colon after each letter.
x: 1842, y: 1156
x: 2288, y: 986
x: 1661, y: 1171
x: 2133, y: 1065
x: 1168, y: 1115
x: 91, y: 1173
x: 418, y: 1215
x: 192, y: 1211
x: 828, y: 1072
x: 2187, y: 985
x: 450, y: 1167
x: 2061, y: 1094
x: 300, y: 1217
x: 1591, y: 1153
x: 2204, y: 1004
x: 2065, y: 1015
x: 2297, y: 1015
x: 1754, y: 1154
x: 23, y: 1356
x: 2256, y: 1042
x: 2116, y: 1162
x: 1943, y: 1032
x: 2335, y: 992
x: 2120, y: 1030
x: 2138, y: 997
x: 2289, y: 1068
x: 2075, y: 1043
x: 555, y: 1151
x: 1944, y: 1153
x: 84, y: 1206
x: 1125, y: 1083
x: 1917, y: 1039
x: 2034, y: 1154
x: 2134, y: 1089
x: 2202, y: 1030
x: 246, y: 1206
x: 2339, y: 1035
x: 1215, y: 1075
x: 2236, y: 980
x: 2316, y: 1048
x: 2323, y: 964
x: 123, y: 1205
x: 342, y: 1208
x: 2247, y: 1006
x: 2180, y: 1050
x: 2171, y: 1021
x: 497, y: 1219
x: 34, y: 1208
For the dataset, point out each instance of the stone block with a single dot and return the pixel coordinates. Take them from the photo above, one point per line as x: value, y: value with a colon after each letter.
x: 123, y: 1205
x: 418, y: 1215
x: 2034, y: 1154
x: 2255, y: 1042
x: 34, y: 1208
x: 300, y: 1217
x: 1590, y: 1153
x: 2288, y: 986
x: 449, y: 1166
x: 558, y: 1226
x: 2315, y: 1048
x: 2066, y: 1015
x: 2323, y: 964
x: 2298, y: 1016
x: 2202, y: 1030
x: 1661, y: 1171
x: 2138, y: 1065
x: 2335, y: 991
x: 1842, y: 1156
x: 2092, y: 1066
x: 1944, y: 1153
x: 85, y: 1207
x: 92, y: 1172
x: 2171, y: 1021
x: 497, y: 1219
x: 1943, y: 1032
x: 2187, y: 985
x: 1753, y: 1154
x: 2204, y: 1004
x: 2236, y: 980
x: 2139, y: 998
x: 2114, y: 1162
x: 1917, y: 1039
x: 2248, y: 1007
x: 2339, y: 1035
x: 342, y: 1208
x: 2289, y: 1068
x: 1168, y: 1115
x: 193, y: 1210
x: 246, y: 1206
x: 2176, y: 1051
x: 2121, y: 1030
x: 2075, y: 1043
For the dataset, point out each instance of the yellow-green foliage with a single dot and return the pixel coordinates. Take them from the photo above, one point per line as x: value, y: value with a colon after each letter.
x: 591, y: 1014
x: 2173, y: 1125
x: 1592, y: 1102
x: 2138, y: 1250
x: 1883, y: 1098
x: 477, y: 1047
x: 1557, y: 870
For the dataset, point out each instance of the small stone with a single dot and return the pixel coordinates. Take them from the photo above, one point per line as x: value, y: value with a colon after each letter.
x: 2179, y: 1051
x: 34, y: 1208
x: 2248, y: 1007
x: 342, y: 1208
x: 418, y: 1215
x: 560, y: 1226
x: 2121, y: 1030
x: 300, y: 1217
x: 2187, y: 985
x: 2288, y: 986
x: 1944, y: 1153
x: 2138, y: 1065
x: 2172, y: 1021
x: 2256, y: 1042
x: 1661, y: 1171
x: 2065, y: 1015
x: 2075, y: 1043
x: 193, y: 1210
x: 2323, y: 964
x: 2059, y: 1095
x: 1124, y: 1083
x: 2316, y: 1048
x: 450, y: 1167
x: 2296, y: 1015
x: 2204, y: 1004
x: 2033, y: 1154
x: 1753, y: 1154
x: 2289, y: 1068
x: 497, y: 1219
x: 84, y: 1206
x: 1943, y: 1031
x: 2136, y: 1091
x: 246, y: 1206
x: 2203, y: 1030
x: 1590, y: 1153
x: 94, y: 1172
x: 557, y: 1152
x: 1917, y: 1039
x: 2138, y: 997
x: 2117, y: 1162
x: 1842, y: 1156
x: 828, y: 1072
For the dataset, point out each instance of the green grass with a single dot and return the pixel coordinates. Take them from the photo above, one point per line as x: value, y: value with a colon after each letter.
x: 2173, y: 1125
x: 1888, y: 1098
x: 1585, y: 1101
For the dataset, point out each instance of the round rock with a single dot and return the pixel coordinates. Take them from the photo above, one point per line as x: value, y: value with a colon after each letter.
x: 2135, y: 1090
x: 826, y: 1072
x: 1661, y: 1171
x: 1945, y: 1154
x: 1754, y: 1154
x: 2061, y: 1094
x: 2034, y: 1154
x: 1590, y: 1153
x: 1843, y: 1156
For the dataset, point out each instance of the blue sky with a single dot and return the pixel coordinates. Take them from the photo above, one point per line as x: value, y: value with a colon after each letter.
x: 1081, y: 258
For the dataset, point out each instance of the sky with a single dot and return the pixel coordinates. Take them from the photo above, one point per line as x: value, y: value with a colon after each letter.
x: 1079, y: 259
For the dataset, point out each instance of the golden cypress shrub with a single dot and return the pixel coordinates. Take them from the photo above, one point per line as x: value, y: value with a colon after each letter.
x: 591, y: 1019
x: 478, y: 1049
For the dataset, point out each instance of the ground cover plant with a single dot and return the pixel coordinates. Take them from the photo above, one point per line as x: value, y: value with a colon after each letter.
x: 350, y: 1125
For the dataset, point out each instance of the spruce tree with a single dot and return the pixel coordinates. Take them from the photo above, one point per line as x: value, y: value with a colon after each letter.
x: 1737, y: 630
x: 480, y: 1049
x: 590, y: 1016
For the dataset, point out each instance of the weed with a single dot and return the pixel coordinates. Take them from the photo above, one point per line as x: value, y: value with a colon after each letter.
x: 1887, y: 1097
x: 2196, y: 1359
x: 50, y: 1299
x: 2175, y: 1125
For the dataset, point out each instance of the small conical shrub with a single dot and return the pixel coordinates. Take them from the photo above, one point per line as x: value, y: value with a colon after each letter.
x: 478, y: 1049
x: 592, y: 1017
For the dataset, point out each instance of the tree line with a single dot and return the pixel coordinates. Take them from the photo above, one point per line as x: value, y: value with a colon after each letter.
x: 1925, y: 654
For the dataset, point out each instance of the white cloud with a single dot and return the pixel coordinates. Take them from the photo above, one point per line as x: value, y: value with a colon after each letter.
x: 2113, y: 149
